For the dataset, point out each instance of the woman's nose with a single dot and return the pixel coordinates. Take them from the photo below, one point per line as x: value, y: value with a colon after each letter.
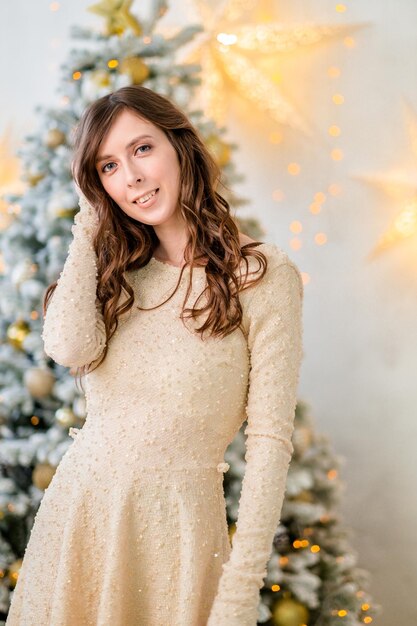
x: 132, y: 176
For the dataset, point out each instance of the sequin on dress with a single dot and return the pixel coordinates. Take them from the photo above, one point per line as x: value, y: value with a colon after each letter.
x: 132, y: 529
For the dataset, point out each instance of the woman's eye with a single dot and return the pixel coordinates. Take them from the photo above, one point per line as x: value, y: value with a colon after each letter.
x: 104, y: 167
x: 144, y: 146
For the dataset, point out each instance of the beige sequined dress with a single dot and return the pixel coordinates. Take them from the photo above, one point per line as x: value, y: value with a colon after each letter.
x: 132, y: 529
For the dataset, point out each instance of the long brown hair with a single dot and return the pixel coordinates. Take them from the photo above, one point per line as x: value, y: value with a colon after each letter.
x: 122, y: 243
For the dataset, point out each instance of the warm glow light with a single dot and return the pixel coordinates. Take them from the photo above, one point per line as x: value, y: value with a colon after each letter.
x: 54, y: 6
x: 349, y: 42
x: 332, y: 474
x: 113, y: 63
x: 275, y: 137
x: 76, y: 75
x: 320, y: 239
x: 334, y: 189
x: 315, y: 548
x: 333, y: 71
x: 338, y: 98
x: 337, y: 154
x: 315, y: 207
x: 226, y: 39
x: 334, y: 131
x: 295, y: 243
x: 283, y: 561
x: 406, y: 222
x: 342, y: 613
x: 293, y: 169
x: 296, y: 227
x: 275, y: 588
x: 320, y: 197
x: 365, y: 607
x: 367, y: 620
x: 278, y: 195
x: 340, y: 8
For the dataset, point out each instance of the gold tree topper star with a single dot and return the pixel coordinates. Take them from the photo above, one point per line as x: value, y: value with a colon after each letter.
x: 118, y: 16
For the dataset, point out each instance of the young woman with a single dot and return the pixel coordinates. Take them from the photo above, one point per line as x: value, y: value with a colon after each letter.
x: 132, y: 529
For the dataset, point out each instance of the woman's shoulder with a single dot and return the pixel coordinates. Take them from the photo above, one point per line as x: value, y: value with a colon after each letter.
x: 276, y: 257
x: 274, y: 254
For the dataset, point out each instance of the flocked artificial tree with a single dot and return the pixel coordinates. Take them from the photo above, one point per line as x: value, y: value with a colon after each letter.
x: 312, y: 578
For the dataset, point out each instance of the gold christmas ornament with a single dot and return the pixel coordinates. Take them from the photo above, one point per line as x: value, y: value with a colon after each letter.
x: 66, y: 213
x: 13, y: 571
x: 290, y: 612
x: 39, y: 381
x: 65, y: 417
x: 304, y: 496
x: 33, y: 179
x: 135, y: 68
x: 42, y: 475
x: 220, y: 149
x: 118, y: 16
x: 17, y: 333
x: 100, y: 78
x: 54, y: 138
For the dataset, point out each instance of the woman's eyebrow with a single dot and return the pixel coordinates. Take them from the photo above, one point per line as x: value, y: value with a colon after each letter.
x: 129, y: 145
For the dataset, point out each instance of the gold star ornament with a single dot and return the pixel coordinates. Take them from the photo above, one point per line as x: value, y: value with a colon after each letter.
x: 401, y: 185
x: 231, y: 50
x: 118, y: 16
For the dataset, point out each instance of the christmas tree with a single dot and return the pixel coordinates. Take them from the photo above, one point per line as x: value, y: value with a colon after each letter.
x: 312, y: 578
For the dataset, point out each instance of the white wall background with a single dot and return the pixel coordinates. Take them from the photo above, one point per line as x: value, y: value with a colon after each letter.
x: 359, y: 370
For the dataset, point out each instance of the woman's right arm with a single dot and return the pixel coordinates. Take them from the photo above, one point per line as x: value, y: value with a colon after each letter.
x: 73, y: 330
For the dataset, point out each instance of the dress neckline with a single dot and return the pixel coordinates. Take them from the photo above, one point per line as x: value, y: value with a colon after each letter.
x: 178, y: 267
x: 175, y: 267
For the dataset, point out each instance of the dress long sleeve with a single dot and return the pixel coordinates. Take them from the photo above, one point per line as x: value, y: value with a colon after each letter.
x: 73, y: 330
x: 275, y: 345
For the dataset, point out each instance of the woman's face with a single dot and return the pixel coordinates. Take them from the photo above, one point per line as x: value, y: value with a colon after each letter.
x: 135, y: 158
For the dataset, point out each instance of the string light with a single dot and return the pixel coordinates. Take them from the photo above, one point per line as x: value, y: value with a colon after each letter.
x: 333, y: 72
x: 334, y: 189
x: 278, y: 195
x: 320, y: 239
x: 338, y: 98
x: 336, y: 154
x: 296, y: 227
x: 349, y: 42
x: 334, y: 131
x: 293, y: 169
x: 295, y: 243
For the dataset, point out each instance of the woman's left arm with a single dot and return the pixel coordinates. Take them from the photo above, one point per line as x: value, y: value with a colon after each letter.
x: 276, y: 350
